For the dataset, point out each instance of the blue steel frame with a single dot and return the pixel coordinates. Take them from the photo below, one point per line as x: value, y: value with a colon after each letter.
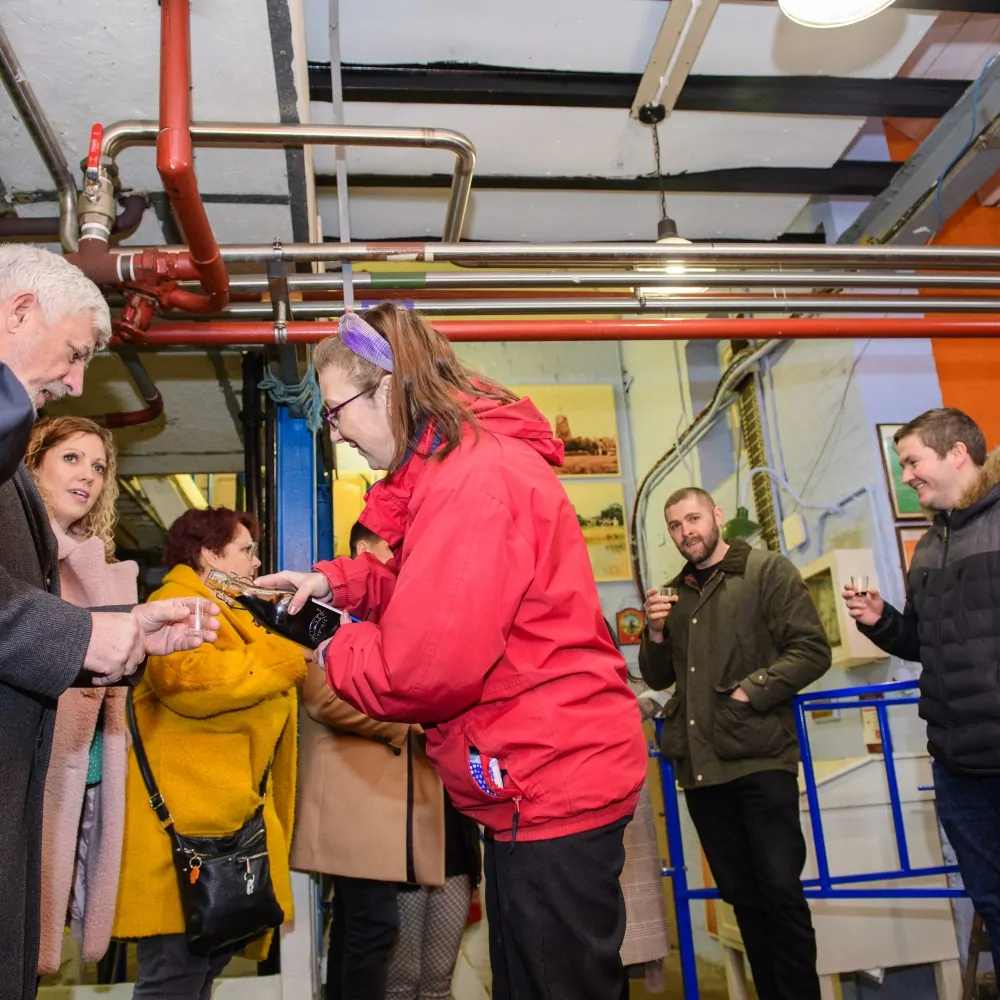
x: 304, y: 525
x: 825, y: 886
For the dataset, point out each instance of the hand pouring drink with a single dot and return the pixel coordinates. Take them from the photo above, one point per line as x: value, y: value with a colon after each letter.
x: 315, y: 623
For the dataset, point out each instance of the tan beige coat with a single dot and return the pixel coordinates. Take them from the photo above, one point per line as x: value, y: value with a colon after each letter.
x: 352, y: 804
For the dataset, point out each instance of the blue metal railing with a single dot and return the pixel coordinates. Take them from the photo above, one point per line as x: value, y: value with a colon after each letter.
x: 825, y: 886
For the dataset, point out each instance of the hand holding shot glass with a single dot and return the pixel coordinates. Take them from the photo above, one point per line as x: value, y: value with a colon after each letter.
x: 659, y: 602
x: 200, y: 615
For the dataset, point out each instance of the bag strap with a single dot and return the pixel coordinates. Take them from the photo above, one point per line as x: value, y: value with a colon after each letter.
x: 156, y: 802
x: 155, y: 798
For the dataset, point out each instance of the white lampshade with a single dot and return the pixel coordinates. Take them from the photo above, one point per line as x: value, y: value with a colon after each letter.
x: 831, y: 13
x: 666, y: 232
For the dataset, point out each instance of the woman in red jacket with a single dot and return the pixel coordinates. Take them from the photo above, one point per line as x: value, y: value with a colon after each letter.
x: 490, y: 635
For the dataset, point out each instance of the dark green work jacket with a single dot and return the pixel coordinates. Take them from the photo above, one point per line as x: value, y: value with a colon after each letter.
x: 753, y: 626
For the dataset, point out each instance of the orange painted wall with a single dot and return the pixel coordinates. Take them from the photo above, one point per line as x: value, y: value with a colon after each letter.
x: 968, y: 370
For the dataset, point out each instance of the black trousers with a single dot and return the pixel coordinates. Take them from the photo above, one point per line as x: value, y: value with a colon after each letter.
x: 751, y: 834
x: 364, y: 928
x: 557, y: 916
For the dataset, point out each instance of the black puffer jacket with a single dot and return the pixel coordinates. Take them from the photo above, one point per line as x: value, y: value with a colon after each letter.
x: 951, y: 625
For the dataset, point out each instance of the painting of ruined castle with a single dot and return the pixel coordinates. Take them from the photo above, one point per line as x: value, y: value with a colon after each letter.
x: 583, y: 418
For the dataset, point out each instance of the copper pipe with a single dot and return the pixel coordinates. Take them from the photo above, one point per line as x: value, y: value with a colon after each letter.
x: 223, y: 333
x: 175, y: 161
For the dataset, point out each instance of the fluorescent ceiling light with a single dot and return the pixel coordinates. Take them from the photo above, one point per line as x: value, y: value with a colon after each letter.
x: 831, y: 13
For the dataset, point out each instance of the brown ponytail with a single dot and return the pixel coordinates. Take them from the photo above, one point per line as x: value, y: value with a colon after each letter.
x: 428, y: 382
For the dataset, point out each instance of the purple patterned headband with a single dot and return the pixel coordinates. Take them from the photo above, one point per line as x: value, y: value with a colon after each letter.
x: 365, y: 341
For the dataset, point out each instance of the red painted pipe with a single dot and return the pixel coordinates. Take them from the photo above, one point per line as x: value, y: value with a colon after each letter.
x: 228, y: 333
x: 133, y: 418
x: 175, y: 161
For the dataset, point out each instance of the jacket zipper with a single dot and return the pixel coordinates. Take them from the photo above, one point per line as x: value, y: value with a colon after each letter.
x: 514, y: 821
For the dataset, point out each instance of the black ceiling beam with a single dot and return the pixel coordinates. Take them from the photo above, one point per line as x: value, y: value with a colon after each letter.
x: 846, y: 177
x: 453, y: 83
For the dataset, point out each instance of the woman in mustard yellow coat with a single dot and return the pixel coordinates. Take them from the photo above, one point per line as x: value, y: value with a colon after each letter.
x: 210, y: 720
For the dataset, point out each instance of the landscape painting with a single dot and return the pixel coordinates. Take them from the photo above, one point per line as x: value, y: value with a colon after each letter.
x: 583, y: 418
x: 600, y: 509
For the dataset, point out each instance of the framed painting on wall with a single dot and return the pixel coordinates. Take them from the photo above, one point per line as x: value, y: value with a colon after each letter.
x: 907, y: 538
x: 583, y: 417
x: 904, y: 499
x: 600, y: 509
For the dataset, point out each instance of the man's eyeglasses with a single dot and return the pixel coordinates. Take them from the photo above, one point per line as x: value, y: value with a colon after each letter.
x: 331, y: 414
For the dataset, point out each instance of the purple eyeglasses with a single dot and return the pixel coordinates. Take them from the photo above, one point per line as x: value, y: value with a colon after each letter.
x: 331, y: 414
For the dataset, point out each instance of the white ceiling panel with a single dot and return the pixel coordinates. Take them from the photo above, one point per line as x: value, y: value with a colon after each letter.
x: 956, y: 47
x: 173, y: 443
x: 88, y: 61
x: 597, y: 142
x: 597, y: 36
x: 563, y: 216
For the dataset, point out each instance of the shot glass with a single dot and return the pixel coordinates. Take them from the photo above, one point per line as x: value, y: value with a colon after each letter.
x: 860, y: 584
x: 200, y: 611
x: 666, y: 591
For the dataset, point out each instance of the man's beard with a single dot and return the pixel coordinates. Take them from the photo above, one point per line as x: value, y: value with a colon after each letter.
x: 711, y: 543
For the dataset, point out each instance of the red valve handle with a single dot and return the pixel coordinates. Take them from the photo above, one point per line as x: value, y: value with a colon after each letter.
x: 94, y: 152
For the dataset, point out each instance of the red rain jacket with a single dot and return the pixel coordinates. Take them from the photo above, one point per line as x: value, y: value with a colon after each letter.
x: 490, y: 633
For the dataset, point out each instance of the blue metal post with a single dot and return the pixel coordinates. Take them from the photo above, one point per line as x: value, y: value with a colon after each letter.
x: 812, y: 795
x: 678, y: 873
x: 296, y: 492
x: 324, y: 517
x: 894, y: 800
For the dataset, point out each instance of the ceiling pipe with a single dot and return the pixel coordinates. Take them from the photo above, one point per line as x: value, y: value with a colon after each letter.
x: 14, y: 227
x: 528, y: 281
x: 683, y: 305
x: 175, y: 162
x: 38, y: 127
x: 147, y: 389
x: 247, y: 135
x: 212, y: 333
x: 756, y: 255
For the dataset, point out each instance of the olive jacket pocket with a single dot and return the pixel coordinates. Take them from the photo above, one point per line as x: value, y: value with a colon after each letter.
x: 740, y: 732
x: 673, y: 738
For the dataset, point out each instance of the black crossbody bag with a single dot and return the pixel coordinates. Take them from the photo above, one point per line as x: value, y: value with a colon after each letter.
x: 225, y: 882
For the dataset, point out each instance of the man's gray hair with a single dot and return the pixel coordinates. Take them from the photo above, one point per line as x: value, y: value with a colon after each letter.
x: 60, y: 287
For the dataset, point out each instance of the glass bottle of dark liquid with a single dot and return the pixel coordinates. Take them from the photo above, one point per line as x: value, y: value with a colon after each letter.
x: 315, y: 623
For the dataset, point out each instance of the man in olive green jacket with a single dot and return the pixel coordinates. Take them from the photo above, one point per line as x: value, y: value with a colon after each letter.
x: 738, y: 635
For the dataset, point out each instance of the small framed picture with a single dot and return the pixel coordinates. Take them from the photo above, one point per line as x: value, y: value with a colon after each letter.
x: 907, y: 538
x: 904, y: 499
x: 631, y: 622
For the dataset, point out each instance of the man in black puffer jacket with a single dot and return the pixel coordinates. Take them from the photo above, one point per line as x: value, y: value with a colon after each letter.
x: 951, y: 625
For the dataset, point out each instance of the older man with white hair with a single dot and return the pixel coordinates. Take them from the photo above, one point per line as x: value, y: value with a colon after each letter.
x: 52, y: 320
